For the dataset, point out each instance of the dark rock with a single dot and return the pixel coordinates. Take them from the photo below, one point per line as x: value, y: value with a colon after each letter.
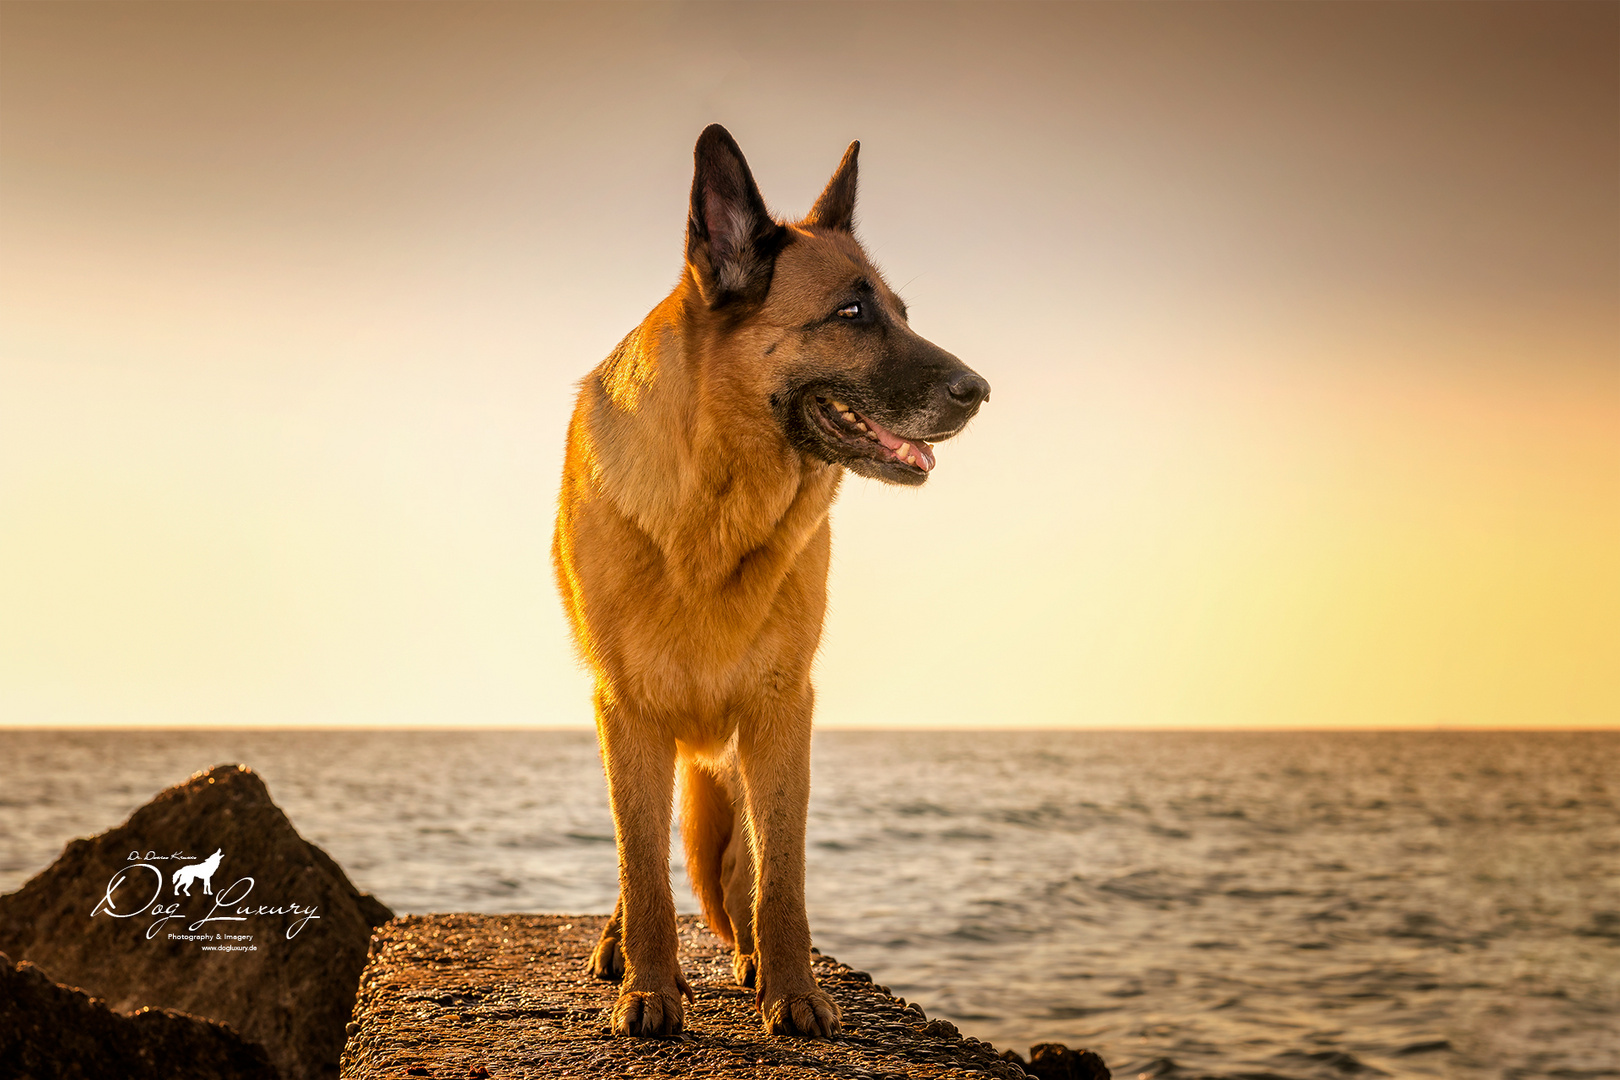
x: 1054, y: 1061
x: 61, y: 1033
x: 289, y: 980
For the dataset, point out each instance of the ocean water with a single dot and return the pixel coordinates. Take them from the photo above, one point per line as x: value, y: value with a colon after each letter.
x: 1222, y: 904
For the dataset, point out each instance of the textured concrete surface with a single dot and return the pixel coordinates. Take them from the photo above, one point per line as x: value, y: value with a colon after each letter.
x: 507, y: 996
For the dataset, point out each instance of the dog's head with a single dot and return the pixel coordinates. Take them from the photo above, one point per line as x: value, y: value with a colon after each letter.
x: 810, y: 328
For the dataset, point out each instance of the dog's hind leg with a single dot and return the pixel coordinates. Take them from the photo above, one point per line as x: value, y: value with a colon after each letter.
x: 706, y: 824
x: 639, y: 757
x: 737, y: 872
x: 714, y: 829
x: 774, y: 751
x: 607, y: 959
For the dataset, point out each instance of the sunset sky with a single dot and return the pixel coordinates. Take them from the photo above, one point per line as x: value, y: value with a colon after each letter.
x: 1303, y: 324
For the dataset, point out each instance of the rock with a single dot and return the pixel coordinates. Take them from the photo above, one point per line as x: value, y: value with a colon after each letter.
x: 508, y: 996
x: 48, y: 1031
x: 1013, y: 1057
x: 270, y: 940
x: 1054, y: 1061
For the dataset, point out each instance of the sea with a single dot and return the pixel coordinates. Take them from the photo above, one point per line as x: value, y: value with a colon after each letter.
x: 1234, y: 905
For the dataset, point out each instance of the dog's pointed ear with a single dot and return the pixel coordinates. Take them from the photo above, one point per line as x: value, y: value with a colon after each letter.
x: 835, y: 209
x: 731, y: 238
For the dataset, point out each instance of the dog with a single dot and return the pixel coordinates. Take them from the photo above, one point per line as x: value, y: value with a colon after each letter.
x: 203, y: 871
x: 691, y: 552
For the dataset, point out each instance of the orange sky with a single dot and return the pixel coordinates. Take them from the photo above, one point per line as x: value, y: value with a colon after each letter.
x: 1303, y: 323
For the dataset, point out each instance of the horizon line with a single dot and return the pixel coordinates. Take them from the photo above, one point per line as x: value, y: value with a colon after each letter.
x: 1613, y: 728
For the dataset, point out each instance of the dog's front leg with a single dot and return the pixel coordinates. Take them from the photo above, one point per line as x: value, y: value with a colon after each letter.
x: 774, y: 753
x: 640, y: 761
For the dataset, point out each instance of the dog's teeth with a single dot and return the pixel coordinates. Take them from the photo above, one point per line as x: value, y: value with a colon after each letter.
x: 850, y: 417
x: 861, y: 426
x: 839, y: 405
x: 905, y: 448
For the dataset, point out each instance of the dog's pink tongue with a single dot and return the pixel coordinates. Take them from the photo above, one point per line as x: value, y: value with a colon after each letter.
x: 893, y: 443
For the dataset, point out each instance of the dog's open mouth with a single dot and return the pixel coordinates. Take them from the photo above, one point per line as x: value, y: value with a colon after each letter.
x: 867, y: 438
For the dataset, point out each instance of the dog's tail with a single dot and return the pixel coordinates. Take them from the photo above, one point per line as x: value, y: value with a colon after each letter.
x: 708, y: 819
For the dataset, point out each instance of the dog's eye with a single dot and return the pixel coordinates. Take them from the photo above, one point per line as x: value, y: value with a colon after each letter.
x: 850, y: 311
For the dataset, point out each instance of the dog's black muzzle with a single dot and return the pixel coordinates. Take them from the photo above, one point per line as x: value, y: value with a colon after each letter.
x: 936, y: 388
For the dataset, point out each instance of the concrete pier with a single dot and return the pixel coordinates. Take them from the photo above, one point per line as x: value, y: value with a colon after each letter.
x: 507, y: 997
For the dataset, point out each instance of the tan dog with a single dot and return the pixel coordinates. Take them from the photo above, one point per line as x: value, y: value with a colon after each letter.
x: 691, y: 550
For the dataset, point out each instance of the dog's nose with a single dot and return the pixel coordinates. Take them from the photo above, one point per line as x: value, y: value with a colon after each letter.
x: 968, y: 390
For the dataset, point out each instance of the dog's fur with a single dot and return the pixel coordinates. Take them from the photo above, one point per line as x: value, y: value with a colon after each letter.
x: 691, y: 550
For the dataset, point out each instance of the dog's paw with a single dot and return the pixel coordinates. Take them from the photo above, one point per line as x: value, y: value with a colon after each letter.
x: 744, y: 969
x: 813, y: 1015
x: 607, y: 960
x: 648, y: 1014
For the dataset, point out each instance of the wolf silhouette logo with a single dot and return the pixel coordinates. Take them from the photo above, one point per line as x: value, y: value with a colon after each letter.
x: 203, y: 871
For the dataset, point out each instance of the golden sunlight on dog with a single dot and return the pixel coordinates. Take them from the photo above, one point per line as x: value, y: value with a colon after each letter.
x: 691, y: 550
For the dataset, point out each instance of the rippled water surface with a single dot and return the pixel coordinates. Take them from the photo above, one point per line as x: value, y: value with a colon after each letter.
x: 1224, y: 905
